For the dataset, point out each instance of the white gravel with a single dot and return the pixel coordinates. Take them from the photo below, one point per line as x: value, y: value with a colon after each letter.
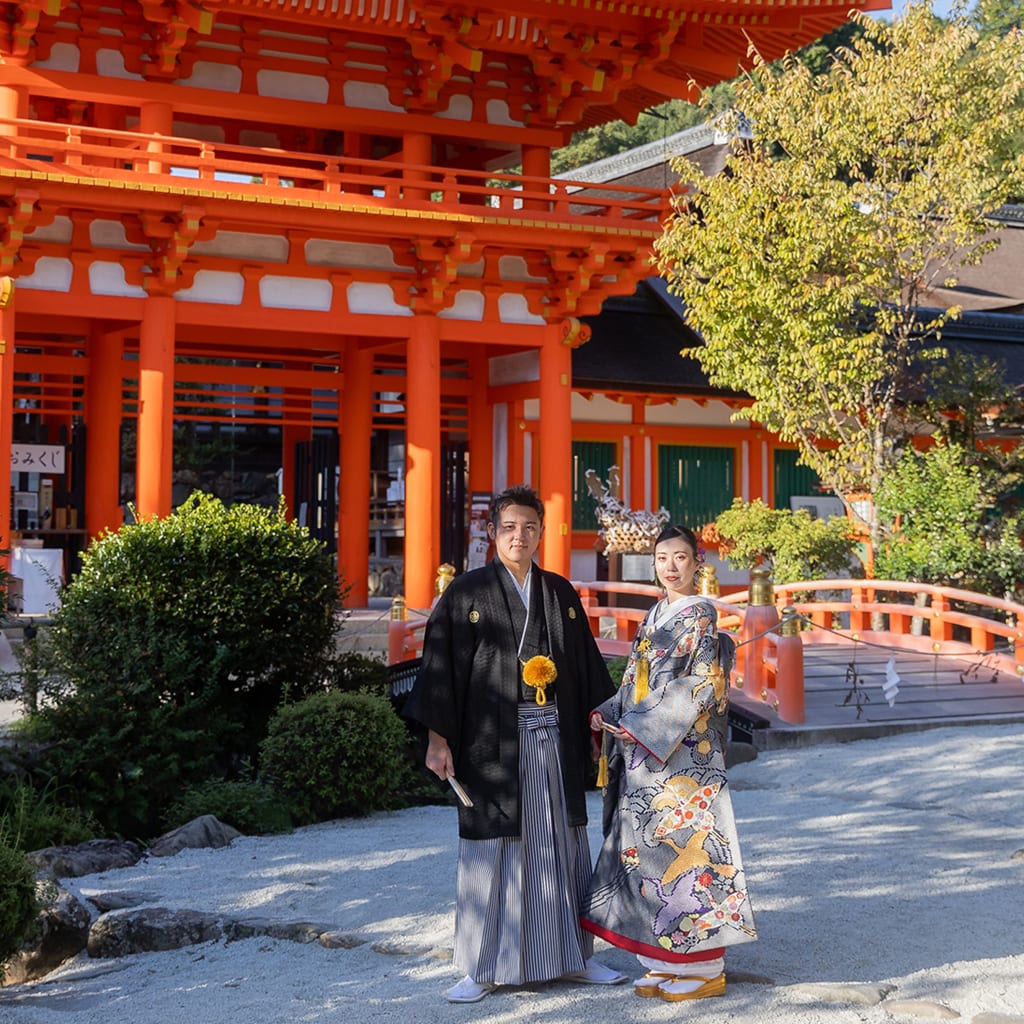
x: 874, y: 865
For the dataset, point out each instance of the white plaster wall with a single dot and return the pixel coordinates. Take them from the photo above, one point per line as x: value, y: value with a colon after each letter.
x: 323, y: 252
x: 63, y: 57
x: 600, y: 409
x: 374, y: 298
x: 217, y: 286
x: 512, y: 309
x: 108, y: 279
x: 51, y: 274
x: 279, y: 292
x: 516, y: 368
x: 290, y: 85
x: 59, y: 230
x: 242, y: 245
x: 468, y: 305
x: 211, y: 75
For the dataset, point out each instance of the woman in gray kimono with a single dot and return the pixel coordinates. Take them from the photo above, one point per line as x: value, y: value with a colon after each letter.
x: 669, y: 883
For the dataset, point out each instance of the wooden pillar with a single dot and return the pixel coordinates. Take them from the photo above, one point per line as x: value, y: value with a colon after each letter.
x: 355, y: 423
x: 12, y: 103
x: 536, y: 164
x: 422, y: 460
x: 556, y: 448
x: 637, y: 456
x: 155, y: 119
x: 6, y: 412
x: 481, y: 428
x: 417, y: 149
x: 103, y: 401
x: 154, y: 456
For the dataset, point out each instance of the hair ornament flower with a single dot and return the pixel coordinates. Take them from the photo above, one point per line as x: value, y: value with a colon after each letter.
x: 539, y: 672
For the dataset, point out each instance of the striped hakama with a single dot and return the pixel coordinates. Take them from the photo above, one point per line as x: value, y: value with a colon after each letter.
x: 518, y: 898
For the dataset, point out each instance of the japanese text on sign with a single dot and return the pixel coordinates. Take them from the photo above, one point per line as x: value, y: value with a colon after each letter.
x: 37, y: 458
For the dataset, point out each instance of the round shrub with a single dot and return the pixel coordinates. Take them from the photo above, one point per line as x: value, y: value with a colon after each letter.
x: 250, y: 806
x: 338, y: 754
x: 173, y: 646
x: 17, y: 900
x: 351, y: 671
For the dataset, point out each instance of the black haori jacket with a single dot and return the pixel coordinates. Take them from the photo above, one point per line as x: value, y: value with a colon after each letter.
x: 468, y: 692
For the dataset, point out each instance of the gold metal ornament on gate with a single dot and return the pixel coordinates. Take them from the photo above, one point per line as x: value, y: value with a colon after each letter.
x: 539, y: 673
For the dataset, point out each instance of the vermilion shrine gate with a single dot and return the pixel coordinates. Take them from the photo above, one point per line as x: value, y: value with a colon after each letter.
x: 297, y: 214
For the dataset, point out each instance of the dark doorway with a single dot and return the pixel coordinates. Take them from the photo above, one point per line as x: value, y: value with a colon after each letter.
x: 316, y: 487
x: 453, y: 504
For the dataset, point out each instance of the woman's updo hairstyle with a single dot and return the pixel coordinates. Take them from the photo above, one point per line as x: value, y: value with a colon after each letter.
x: 675, y: 532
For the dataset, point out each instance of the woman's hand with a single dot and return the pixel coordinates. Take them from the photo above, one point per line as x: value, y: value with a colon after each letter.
x: 597, y: 723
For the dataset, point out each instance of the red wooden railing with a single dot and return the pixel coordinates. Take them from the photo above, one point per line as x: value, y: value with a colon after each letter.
x: 770, y: 638
x: 225, y: 170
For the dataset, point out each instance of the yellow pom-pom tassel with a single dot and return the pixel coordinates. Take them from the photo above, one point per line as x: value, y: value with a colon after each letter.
x: 602, y: 771
x: 641, y: 680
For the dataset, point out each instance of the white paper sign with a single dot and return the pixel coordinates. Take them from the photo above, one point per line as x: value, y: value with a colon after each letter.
x: 37, y: 458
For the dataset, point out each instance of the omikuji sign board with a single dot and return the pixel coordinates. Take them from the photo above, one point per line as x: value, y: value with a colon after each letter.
x: 37, y: 458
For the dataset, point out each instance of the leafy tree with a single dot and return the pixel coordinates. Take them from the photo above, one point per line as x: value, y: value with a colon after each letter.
x: 997, y: 17
x: 937, y: 516
x: 795, y: 545
x: 806, y: 266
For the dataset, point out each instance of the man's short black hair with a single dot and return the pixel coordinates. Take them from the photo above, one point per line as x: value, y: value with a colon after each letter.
x: 520, y: 494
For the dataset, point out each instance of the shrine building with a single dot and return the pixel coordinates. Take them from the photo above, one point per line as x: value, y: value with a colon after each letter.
x: 332, y: 223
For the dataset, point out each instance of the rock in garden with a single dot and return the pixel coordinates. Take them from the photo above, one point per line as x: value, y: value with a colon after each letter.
x: 150, y: 930
x: 290, y: 931
x: 923, y: 1008
x: 89, y: 858
x: 203, y: 832
x: 61, y: 931
x: 840, y: 992
x: 121, y: 900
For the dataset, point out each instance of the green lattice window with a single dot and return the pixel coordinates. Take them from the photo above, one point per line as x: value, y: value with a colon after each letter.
x: 695, y: 484
x: 791, y: 478
x: 595, y: 455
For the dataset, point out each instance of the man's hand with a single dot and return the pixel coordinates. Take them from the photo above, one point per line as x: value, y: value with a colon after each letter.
x: 439, y: 756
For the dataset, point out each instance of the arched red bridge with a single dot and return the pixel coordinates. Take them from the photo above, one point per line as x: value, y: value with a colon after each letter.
x: 835, y: 659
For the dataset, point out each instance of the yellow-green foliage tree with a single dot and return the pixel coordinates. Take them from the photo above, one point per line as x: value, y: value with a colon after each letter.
x: 806, y: 265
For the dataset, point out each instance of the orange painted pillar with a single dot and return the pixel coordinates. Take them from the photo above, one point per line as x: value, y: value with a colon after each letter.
x: 536, y: 164
x: 103, y: 402
x: 422, y: 461
x: 355, y: 421
x: 12, y: 104
x: 638, y: 456
x: 416, y: 149
x: 481, y: 427
x: 6, y: 412
x: 155, y: 447
x: 556, y: 448
x: 156, y: 119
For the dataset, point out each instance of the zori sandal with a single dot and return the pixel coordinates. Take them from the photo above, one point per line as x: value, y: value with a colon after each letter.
x: 679, y: 988
x: 649, y: 984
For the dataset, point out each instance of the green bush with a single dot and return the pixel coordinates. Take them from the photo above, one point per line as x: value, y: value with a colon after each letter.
x: 617, y: 667
x: 941, y: 525
x: 250, y: 806
x: 795, y: 545
x: 172, y: 648
x: 32, y: 819
x: 18, y: 905
x: 351, y: 672
x: 338, y: 754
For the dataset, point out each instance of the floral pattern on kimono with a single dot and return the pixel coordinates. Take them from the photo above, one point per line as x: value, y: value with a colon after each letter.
x: 669, y: 880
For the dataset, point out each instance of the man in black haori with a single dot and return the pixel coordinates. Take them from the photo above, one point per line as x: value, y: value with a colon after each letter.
x: 510, y: 673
